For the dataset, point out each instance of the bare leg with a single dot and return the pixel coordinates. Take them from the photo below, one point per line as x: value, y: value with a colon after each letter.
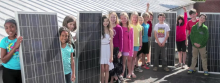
x: 180, y: 56
x: 148, y: 57
x: 184, y: 57
x: 133, y: 63
x: 129, y: 64
x: 124, y: 63
x: 143, y: 58
x: 112, y: 79
x: 102, y: 73
x: 106, y: 73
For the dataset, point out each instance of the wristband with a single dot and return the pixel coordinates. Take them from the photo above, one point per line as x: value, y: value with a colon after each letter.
x: 140, y: 46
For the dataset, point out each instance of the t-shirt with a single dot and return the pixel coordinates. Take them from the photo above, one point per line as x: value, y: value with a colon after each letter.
x: 66, y: 56
x: 161, y: 30
x: 190, y: 24
x: 137, y: 29
x: 14, y: 62
x: 145, y: 32
x: 150, y: 28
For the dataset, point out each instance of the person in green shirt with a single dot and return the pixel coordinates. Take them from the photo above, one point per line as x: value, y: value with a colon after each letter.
x: 199, y: 37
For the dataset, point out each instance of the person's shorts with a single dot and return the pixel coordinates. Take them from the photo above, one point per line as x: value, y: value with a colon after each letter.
x: 145, y: 48
x: 136, y: 48
x: 181, y: 46
x: 125, y: 53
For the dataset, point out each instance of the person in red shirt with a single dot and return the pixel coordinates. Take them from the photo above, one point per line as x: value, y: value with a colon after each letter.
x: 181, y: 38
x: 189, y: 25
x: 149, y: 33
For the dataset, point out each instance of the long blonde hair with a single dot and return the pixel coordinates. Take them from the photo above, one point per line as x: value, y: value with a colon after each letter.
x: 117, y: 21
x: 126, y: 15
x: 132, y: 14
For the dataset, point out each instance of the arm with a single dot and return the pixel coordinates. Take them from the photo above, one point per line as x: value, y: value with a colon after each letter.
x: 5, y: 57
x: 148, y: 5
x: 187, y: 32
x: 192, y: 36
x: 111, y: 49
x: 167, y: 35
x: 140, y: 39
x: 156, y: 38
x: 132, y: 41
x: 150, y: 29
x: 185, y: 17
x: 72, y: 67
x: 120, y: 33
x: 205, y: 38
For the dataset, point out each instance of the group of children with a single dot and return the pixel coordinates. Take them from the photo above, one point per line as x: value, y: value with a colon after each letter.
x: 120, y: 42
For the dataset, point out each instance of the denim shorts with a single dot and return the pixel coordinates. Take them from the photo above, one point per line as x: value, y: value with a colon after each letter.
x: 136, y: 48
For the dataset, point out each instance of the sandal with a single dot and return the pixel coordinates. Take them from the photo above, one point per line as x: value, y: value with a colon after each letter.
x: 133, y: 75
x: 128, y: 76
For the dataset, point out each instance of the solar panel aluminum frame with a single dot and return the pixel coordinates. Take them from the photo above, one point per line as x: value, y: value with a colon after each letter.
x: 20, y: 48
x: 152, y: 35
x: 77, y: 43
x: 218, y: 13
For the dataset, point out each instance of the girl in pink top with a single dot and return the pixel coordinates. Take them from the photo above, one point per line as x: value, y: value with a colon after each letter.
x: 181, y: 38
x: 127, y: 42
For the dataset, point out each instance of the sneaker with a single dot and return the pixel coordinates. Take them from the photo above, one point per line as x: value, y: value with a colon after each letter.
x: 145, y: 66
x: 166, y: 69
x: 178, y: 65
x: 190, y: 71
x: 148, y: 64
x: 138, y: 69
x: 206, y: 73
x: 155, y: 68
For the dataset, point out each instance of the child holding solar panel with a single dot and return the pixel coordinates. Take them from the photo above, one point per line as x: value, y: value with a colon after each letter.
x: 181, y: 38
x: 118, y: 47
x: 145, y: 48
x: 10, y: 53
x: 127, y: 43
x: 150, y: 19
x: 67, y: 54
x: 190, y: 23
x: 161, y: 34
x: 199, y: 37
x: 106, y: 50
x: 70, y: 23
x: 137, y: 41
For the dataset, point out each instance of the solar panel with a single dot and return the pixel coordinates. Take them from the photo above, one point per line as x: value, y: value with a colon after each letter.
x: 88, y: 47
x: 171, y: 21
x: 40, y: 53
x: 128, y: 12
x: 213, y: 46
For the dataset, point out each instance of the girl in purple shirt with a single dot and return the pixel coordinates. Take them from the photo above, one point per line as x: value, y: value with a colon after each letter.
x: 127, y: 42
x: 118, y: 46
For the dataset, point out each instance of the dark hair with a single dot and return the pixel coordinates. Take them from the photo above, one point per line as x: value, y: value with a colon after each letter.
x: 180, y: 18
x: 203, y: 15
x: 161, y: 14
x: 68, y: 19
x: 192, y: 11
x: 103, y: 27
x: 67, y: 30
